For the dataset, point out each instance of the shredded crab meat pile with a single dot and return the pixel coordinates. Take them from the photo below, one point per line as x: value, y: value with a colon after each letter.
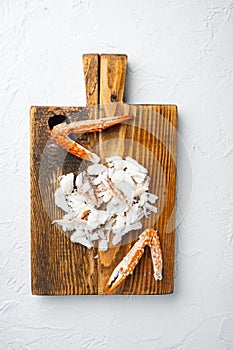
x: 105, y: 201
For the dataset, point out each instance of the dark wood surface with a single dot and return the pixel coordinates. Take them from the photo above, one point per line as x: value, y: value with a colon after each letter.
x: 59, y: 267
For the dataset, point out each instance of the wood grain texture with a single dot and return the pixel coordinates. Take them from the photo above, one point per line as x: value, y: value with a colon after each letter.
x: 151, y: 140
x: 60, y: 267
x: 112, y: 78
x: 112, y: 84
x: 91, y: 76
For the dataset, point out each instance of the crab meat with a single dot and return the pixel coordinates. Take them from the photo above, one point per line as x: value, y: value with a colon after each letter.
x: 104, y: 201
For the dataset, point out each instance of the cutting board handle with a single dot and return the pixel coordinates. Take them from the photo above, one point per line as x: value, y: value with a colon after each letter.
x: 104, y: 77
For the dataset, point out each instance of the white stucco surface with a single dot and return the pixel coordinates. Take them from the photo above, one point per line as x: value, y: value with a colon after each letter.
x: 179, y: 52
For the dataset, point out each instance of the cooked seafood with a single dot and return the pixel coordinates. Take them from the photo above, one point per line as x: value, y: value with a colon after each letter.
x: 105, y: 199
x: 127, y: 265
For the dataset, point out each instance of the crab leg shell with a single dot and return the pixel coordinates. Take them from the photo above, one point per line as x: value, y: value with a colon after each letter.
x: 156, y: 255
x: 75, y: 148
x: 60, y: 134
x: 127, y: 265
x: 83, y: 126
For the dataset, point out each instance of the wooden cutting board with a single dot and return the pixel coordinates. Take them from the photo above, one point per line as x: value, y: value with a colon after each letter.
x: 60, y: 267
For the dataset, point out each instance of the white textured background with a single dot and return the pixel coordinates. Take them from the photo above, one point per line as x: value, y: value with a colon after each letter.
x: 179, y: 52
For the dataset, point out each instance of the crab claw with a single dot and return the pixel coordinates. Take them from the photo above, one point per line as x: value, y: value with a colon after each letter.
x: 127, y: 265
x: 60, y: 134
x: 117, y: 277
x: 75, y: 148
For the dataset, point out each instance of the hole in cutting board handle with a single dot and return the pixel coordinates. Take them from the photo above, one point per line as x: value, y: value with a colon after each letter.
x: 57, y: 119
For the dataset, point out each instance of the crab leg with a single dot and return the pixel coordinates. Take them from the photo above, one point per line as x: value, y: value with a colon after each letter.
x: 60, y: 134
x: 156, y: 256
x: 127, y: 265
